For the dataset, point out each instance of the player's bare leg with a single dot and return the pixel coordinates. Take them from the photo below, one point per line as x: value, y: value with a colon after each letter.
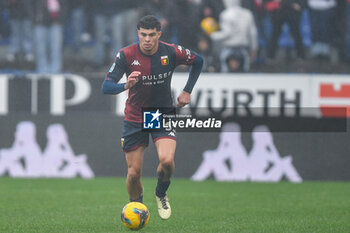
x: 134, y: 186
x: 166, y: 152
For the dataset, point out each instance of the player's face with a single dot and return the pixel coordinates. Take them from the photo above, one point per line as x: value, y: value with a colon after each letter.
x: 149, y: 40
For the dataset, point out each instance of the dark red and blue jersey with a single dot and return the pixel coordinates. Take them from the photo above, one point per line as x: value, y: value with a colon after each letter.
x: 152, y: 88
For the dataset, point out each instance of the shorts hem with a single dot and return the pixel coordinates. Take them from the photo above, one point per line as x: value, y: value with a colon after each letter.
x: 156, y: 139
x: 135, y: 147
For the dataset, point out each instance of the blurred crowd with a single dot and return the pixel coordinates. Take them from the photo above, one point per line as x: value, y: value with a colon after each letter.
x: 231, y: 35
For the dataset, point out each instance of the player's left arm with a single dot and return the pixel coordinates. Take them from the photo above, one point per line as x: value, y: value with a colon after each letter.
x: 187, y: 57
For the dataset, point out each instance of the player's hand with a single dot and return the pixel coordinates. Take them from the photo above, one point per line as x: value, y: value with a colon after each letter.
x: 132, y: 79
x: 183, y: 99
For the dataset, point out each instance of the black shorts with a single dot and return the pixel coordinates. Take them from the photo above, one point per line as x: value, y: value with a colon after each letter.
x: 133, y: 136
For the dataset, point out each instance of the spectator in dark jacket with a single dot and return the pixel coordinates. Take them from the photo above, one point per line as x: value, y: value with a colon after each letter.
x: 205, y: 49
x: 211, y: 8
x: 21, y: 41
x: 340, y: 28
x: 113, y: 16
x: 285, y: 11
x: 167, y: 14
x: 48, y: 18
x: 77, y: 22
x: 188, y: 23
x: 322, y: 15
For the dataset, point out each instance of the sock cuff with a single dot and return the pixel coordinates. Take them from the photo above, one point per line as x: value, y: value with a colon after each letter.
x: 163, y: 182
x: 140, y: 199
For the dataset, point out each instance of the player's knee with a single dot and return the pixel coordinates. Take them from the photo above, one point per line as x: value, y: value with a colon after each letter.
x: 134, y: 175
x: 167, y: 161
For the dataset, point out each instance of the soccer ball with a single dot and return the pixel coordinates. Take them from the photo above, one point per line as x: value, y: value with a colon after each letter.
x: 135, y: 215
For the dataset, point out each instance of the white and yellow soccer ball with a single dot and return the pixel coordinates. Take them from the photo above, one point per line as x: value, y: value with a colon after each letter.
x: 135, y: 215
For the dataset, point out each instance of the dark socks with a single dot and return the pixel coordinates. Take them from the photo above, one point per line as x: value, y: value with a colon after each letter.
x: 162, y: 187
x: 140, y: 199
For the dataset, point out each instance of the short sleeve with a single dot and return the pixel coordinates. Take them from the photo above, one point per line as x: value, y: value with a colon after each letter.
x: 184, y: 56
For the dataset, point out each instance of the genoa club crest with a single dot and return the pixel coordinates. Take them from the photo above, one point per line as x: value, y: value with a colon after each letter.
x: 165, y: 60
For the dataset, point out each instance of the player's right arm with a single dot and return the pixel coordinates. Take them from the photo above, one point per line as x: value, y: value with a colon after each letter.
x: 132, y: 79
x: 111, y: 83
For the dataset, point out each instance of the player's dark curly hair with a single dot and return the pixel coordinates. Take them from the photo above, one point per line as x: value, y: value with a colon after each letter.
x: 149, y: 22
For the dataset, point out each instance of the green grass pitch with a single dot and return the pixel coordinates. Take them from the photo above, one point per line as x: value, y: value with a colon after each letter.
x: 77, y: 205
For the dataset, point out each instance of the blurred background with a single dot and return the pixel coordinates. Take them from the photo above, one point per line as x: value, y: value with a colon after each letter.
x: 286, y: 59
x: 234, y: 36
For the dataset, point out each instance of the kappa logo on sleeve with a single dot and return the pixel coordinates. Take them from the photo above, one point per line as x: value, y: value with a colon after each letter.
x: 188, y: 53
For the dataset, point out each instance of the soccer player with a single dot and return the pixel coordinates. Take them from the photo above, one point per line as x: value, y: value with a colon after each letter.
x: 149, y: 66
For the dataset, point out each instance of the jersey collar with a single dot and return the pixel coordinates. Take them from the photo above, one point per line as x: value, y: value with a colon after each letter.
x: 146, y: 55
